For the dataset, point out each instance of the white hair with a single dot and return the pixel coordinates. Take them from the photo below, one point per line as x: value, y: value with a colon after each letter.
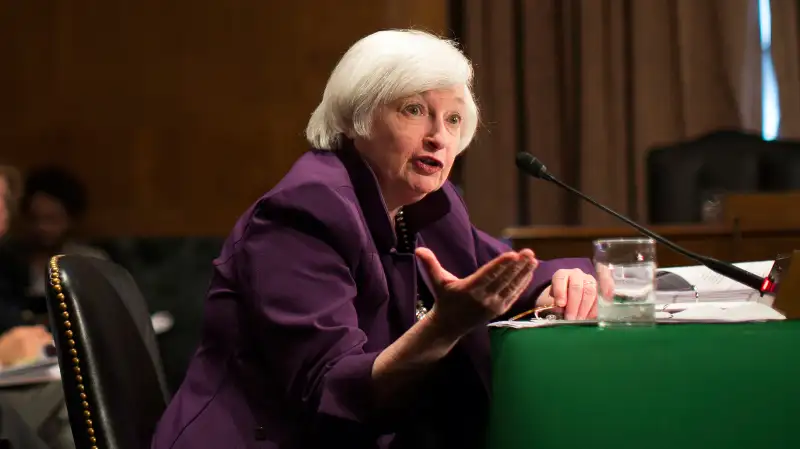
x: 384, y: 67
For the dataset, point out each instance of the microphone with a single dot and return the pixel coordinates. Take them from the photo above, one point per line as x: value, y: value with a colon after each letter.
x: 527, y: 163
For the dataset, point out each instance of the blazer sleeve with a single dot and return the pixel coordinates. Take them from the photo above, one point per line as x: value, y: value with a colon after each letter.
x: 293, y: 269
x: 488, y: 247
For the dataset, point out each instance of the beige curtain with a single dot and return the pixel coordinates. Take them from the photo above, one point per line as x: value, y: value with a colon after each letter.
x: 588, y: 86
x: 786, y: 60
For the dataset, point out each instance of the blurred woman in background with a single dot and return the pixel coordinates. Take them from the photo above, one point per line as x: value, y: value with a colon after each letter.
x: 52, y: 205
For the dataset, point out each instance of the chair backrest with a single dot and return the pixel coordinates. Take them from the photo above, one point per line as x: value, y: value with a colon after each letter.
x: 681, y: 176
x: 111, y: 370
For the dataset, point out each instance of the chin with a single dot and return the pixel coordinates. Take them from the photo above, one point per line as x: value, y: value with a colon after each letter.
x: 424, y: 188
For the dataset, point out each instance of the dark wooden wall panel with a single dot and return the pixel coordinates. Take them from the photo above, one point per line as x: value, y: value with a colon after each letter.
x: 176, y: 114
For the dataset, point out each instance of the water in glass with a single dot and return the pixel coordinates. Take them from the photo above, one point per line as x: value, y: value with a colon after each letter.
x: 626, y: 271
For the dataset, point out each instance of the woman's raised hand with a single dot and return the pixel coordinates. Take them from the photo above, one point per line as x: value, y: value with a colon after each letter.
x: 463, y: 304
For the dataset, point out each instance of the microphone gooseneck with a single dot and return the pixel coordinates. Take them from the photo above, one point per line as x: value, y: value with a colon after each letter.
x: 529, y: 164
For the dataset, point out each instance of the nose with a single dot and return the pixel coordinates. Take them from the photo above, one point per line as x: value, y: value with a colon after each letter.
x: 435, y: 139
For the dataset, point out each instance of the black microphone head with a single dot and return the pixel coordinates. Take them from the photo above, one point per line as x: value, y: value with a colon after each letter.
x: 532, y: 166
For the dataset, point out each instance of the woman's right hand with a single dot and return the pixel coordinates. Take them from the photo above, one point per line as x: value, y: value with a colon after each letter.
x: 463, y: 304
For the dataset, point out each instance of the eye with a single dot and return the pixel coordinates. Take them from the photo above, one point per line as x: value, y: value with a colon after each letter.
x: 414, y: 109
x: 454, y: 119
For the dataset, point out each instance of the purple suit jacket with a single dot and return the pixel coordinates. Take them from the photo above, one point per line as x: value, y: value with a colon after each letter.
x: 306, y: 292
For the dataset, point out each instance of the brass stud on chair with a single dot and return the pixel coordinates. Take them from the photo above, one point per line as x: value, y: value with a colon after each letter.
x: 55, y: 284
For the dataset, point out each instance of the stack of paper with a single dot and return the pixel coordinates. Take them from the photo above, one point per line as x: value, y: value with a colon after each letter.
x: 731, y: 311
x: 711, y: 312
x: 710, y: 286
x: 38, y: 371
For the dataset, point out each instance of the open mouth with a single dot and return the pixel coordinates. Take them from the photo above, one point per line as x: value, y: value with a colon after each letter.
x: 430, y: 161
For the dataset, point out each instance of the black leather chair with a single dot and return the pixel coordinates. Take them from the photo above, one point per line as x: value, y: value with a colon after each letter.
x: 111, y: 370
x: 682, y: 176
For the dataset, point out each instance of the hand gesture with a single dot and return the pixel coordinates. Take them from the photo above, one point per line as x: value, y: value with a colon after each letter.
x: 463, y: 304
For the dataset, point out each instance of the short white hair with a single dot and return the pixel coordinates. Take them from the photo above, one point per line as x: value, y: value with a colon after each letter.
x: 384, y: 67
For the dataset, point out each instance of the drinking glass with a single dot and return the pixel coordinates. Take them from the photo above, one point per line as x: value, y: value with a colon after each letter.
x: 626, y: 281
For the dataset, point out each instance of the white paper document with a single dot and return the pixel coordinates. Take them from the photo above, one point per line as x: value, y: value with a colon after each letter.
x: 711, y: 286
x: 736, y: 311
x: 38, y: 371
x: 677, y: 313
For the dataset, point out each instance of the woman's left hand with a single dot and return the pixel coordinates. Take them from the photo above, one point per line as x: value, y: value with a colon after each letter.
x: 573, y: 290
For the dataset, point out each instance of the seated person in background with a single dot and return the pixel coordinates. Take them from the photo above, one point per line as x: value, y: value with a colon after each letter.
x: 52, y: 205
x: 348, y: 307
x: 18, y: 343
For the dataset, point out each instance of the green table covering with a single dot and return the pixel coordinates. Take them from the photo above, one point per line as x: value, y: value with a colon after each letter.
x: 670, y: 386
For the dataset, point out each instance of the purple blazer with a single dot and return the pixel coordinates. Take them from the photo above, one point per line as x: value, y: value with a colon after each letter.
x: 306, y: 292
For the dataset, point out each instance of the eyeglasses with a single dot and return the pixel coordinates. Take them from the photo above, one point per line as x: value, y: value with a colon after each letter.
x: 542, y: 313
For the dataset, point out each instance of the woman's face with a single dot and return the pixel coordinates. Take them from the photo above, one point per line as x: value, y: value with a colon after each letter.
x: 48, y: 221
x: 413, y: 144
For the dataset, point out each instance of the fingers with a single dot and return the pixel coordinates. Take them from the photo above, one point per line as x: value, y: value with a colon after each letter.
x: 527, y: 253
x: 593, y: 311
x: 493, y: 270
x: 605, y: 281
x: 558, y: 288
x: 509, y: 278
x: 434, y: 268
x: 520, y: 278
x: 46, y: 338
x: 501, y: 282
x: 429, y: 260
x: 515, y: 294
x: 574, y: 296
x: 589, y: 298
x: 576, y: 291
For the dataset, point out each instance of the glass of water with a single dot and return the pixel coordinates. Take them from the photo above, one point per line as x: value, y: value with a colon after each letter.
x: 626, y: 271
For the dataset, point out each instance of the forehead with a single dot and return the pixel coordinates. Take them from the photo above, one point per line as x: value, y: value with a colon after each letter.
x: 453, y: 94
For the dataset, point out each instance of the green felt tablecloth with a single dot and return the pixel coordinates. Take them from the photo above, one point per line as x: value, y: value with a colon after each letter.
x: 679, y: 386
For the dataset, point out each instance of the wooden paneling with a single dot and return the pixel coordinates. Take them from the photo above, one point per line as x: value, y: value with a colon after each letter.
x: 550, y: 242
x: 176, y: 114
x: 757, y: 226
x: 747, y: 210
x: 724, y: 241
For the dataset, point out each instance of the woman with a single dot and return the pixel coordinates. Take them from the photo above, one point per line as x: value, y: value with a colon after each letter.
x: 348, y: 306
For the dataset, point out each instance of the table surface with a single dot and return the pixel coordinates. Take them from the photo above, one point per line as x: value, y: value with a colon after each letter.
x: 666, y: 386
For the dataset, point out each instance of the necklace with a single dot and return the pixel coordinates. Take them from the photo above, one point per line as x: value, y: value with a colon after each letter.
x: 404, y: 244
